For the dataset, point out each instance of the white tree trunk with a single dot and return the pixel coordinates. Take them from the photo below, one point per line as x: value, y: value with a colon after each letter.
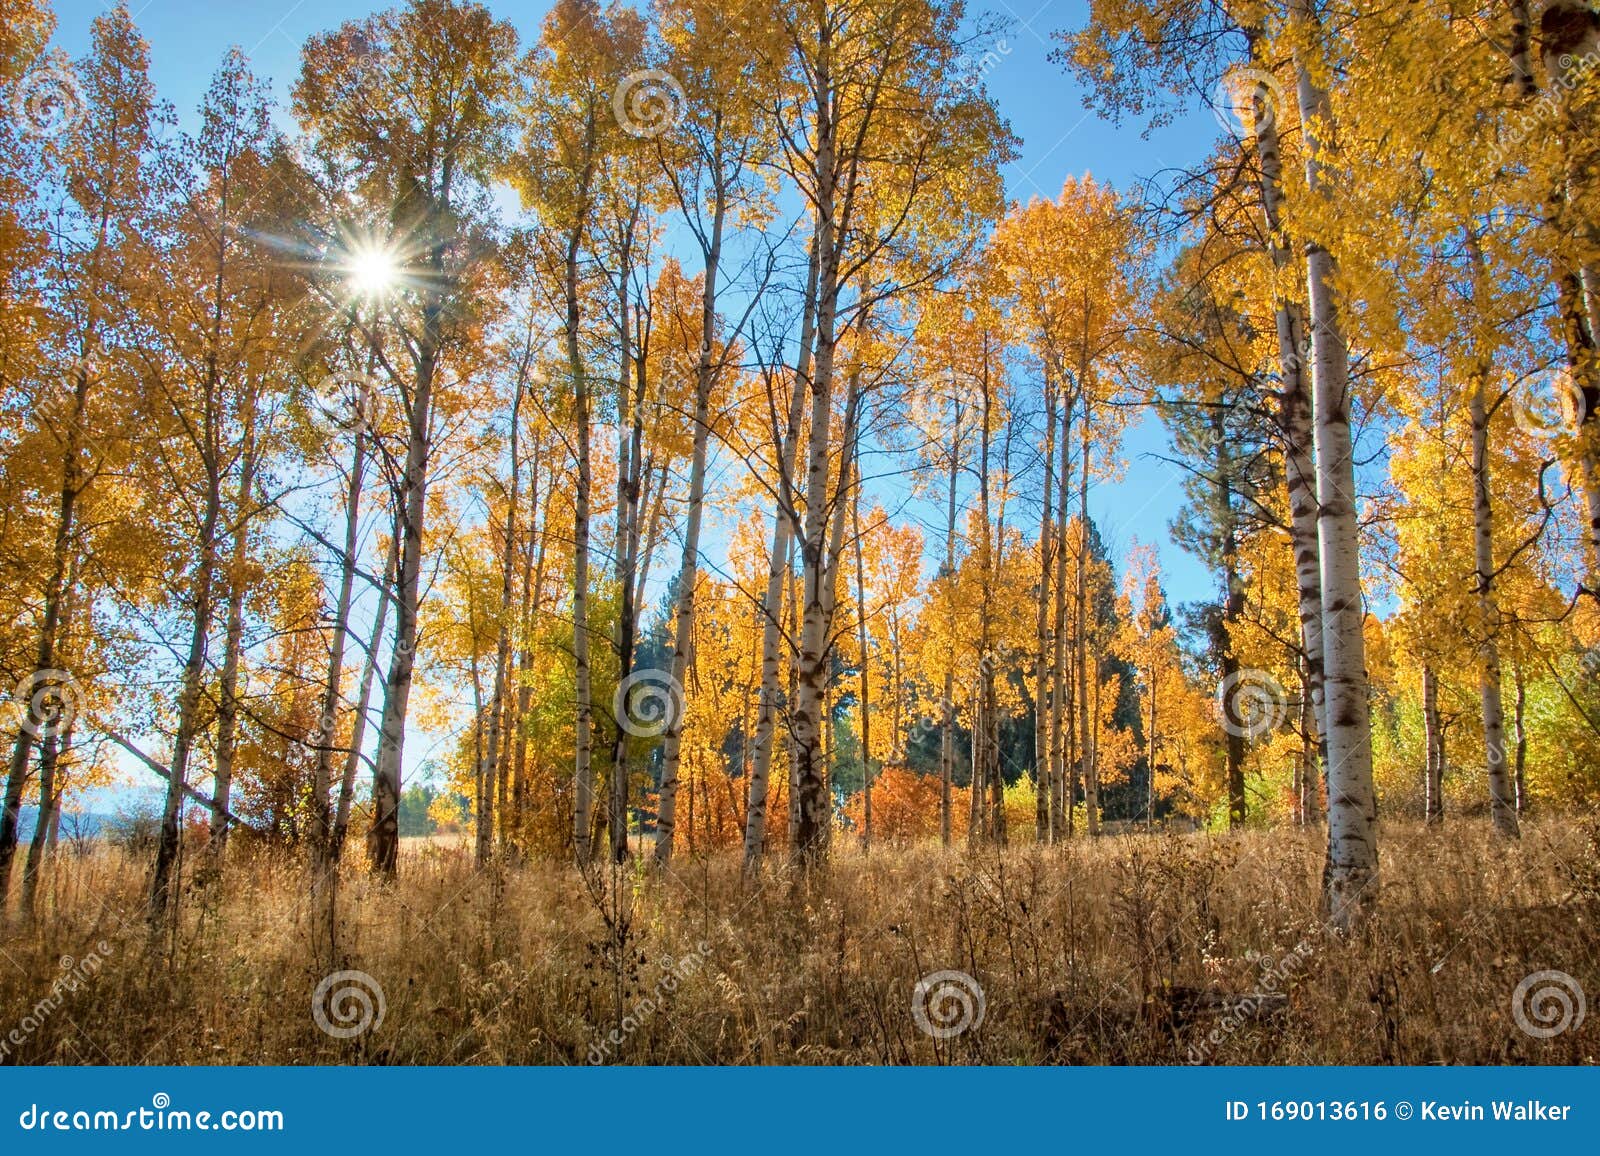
x: 1351, y: 874
x: 1502, y: 800
x: 755, y: 829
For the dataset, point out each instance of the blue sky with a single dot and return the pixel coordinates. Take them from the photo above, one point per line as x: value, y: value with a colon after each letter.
x: 1044, y: 106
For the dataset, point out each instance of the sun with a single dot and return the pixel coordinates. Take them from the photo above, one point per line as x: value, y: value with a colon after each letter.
x: 372, y: 272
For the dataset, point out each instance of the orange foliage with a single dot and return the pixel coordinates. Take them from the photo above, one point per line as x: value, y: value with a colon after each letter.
x: 905, y: 807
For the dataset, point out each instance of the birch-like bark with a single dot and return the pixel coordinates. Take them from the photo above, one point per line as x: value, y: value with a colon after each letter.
x: 44, y: 822
x: 383, y: 840
x: 233, y: 647
x: 202, y: 583
x: 689, y: 562
x: 1042, y: 780
x: 55, y: 596
x: 630, y: 471
x: 865, y: 682
x: 323, y: 855
x: 1569, y: 35
x: 1502, y: 799
x: 583, y: 726
x: 358, y: 723
x: 1351, y: 871
x: 1086, y: 747
x: 1061, y: 713
x: 984, y: 818
x: 783, y: 528
x: 491, y: 775
x: 947, y: 750
x: 1294, y: 423
x: 1232, y: 611
x: 812, y: 810
x: 532, y: 590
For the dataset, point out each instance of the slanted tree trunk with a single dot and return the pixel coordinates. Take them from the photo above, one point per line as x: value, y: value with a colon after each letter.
x: 1351, y: 874
x: 631, y: 391
x: 849, y: 482
x: 532, y: 594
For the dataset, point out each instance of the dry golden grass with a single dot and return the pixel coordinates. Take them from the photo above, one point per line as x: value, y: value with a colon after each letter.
x: 1125, y: 950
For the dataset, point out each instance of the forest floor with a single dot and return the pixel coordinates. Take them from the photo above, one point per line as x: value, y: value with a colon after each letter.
x: 1127, y: 949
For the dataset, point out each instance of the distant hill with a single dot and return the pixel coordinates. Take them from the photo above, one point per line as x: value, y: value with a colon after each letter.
x: 89, y: 823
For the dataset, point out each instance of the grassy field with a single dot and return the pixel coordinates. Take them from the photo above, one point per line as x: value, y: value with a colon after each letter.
x: 1130, y: 949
